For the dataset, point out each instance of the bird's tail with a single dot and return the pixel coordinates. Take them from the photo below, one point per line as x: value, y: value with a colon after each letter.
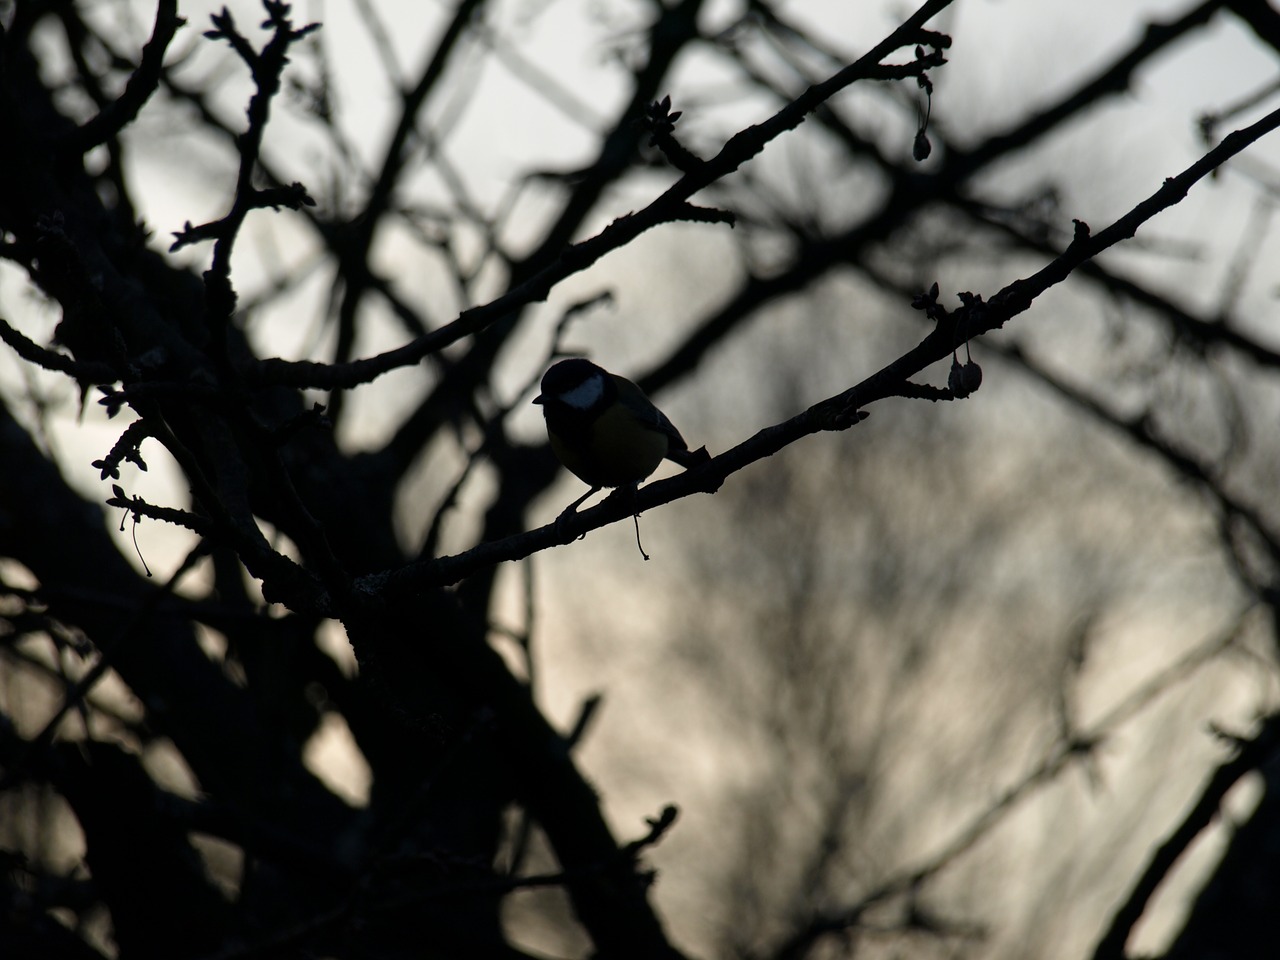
x: 689, y: 458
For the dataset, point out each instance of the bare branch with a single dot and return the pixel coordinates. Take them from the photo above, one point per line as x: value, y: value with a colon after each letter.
x: 1250, y: 755
x: 142, y: 84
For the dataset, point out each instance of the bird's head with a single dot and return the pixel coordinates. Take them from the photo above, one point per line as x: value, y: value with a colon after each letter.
x: 576, y: 384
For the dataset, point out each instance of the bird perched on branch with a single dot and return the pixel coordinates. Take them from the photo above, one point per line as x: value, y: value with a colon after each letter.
x: 605, y: 430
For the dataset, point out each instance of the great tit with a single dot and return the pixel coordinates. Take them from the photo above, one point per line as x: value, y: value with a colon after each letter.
x: 605, y: 430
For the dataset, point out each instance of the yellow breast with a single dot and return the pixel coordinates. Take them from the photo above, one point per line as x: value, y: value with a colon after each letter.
x: 618, y: 450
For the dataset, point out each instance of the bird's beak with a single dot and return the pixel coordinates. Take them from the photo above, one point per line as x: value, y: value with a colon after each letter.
x: 538, y: 399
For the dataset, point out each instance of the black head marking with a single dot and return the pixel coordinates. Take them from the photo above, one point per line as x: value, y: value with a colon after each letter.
x: 576, y: 385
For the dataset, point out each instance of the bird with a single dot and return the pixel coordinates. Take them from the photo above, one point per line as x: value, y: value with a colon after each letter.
x: 605, y: 430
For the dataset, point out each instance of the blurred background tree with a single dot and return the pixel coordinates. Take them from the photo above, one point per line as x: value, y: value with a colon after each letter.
x: 288, y: 665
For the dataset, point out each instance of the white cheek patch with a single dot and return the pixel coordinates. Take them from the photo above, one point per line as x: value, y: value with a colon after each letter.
x: 585, y: 395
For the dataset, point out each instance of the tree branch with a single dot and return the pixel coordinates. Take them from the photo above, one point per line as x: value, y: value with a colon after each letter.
x: 142, y: 84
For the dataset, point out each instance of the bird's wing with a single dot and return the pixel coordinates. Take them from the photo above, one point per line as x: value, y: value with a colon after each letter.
x: 643, y: 409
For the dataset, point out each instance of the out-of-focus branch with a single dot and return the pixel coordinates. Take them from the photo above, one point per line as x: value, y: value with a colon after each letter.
x: 1141, y: 431
x: 1261, y: 17
x: 977, y: 317
x: 670, y: 207
x: 844, y: 409
x: 1252, y: 753
x: 142, y: 84
x: 1115, y: 79
x: 912, y: 191
x: 1223, y: 331
x: 1071, y: 747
